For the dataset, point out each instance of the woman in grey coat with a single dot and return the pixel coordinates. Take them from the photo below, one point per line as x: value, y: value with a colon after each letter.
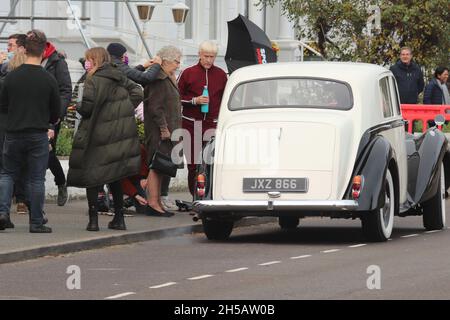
x: 106, y: 145
x: 162, y: 116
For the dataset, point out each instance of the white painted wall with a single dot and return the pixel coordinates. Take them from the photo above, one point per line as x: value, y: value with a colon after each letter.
x: 160, y: 31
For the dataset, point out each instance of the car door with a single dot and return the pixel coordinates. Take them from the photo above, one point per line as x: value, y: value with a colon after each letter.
x: 390, y: 105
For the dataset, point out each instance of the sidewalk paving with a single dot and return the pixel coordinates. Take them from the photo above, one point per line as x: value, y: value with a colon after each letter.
x: 70, y: 235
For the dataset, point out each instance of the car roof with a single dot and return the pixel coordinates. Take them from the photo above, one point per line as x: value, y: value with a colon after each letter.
x: 351, y: 72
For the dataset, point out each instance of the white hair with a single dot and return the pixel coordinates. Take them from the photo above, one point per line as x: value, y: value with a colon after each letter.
x: 169, y: 53
x: 209, y: 47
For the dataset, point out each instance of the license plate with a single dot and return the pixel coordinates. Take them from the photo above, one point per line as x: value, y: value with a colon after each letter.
x: 275, y: 184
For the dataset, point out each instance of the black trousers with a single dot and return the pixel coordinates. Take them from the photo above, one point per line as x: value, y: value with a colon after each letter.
x: 53, y: 162
x: 116, y: 191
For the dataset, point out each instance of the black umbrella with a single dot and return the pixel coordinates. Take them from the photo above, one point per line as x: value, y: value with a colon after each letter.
x: 247, y: 45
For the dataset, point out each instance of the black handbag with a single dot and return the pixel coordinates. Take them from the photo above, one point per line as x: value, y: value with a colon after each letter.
x: 163, y: 164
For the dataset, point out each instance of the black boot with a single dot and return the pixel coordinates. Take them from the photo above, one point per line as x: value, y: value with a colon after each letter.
x: 93, y: 221
x: 118, y: 222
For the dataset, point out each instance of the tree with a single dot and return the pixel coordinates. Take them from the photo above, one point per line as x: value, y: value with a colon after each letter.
x: 339, y: 29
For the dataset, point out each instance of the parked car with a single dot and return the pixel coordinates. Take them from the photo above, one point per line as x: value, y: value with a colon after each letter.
x: 297, y: 140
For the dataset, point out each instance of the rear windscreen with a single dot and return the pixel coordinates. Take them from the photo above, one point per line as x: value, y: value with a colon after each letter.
x: 292, y: 93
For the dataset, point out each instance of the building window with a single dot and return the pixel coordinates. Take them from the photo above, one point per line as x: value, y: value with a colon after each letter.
x: 188, y: 26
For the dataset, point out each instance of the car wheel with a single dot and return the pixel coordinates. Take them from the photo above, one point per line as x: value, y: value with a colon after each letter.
x: 288, y: 223
x: 434, y: 209
x: 217, y: 229
x: 377, y: 225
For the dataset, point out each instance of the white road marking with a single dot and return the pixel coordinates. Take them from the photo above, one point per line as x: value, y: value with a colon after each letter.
x: 168, y: 284
x: 301, y: 257
x: 201, y: 277
x: 105, y: 269
x: 358, y: 245
x: 331, y: 251
x: 410, y: 235
x: 433, y: 231
x: 236, y: 270
x: 389, y: 239
x: 121, y: 295
x: 269, y: 263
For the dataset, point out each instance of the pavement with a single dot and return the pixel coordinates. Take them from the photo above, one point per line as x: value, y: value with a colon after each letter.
x: 70, y: 235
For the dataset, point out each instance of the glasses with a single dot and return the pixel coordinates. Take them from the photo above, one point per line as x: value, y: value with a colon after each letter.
x: 177, y: 61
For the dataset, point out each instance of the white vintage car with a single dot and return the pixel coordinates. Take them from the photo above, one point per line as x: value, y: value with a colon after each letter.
x: 326, y: 139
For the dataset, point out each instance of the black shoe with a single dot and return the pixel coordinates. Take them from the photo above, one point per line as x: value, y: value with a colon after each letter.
x: 149, y: 211
x: 40, y: 229
x: 93, y: 221
x: 118, y: 222
x: 9, y: 224
x: 62, y: 195
x: 44, y: 217
x: 3, y: 221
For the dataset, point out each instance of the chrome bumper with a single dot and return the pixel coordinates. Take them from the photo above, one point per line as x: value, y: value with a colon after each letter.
x: 224, y: 206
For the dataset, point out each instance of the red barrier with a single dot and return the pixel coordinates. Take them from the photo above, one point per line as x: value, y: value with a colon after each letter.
x: 424, y: 113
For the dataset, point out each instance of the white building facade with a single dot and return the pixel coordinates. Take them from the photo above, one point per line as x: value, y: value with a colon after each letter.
x: 110, y: 21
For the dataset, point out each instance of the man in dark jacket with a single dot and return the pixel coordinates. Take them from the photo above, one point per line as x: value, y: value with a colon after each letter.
x: 141, y: 74
x: 409, y: 77
x: 55, y: 63
x: 30, y: 98
x: 436, y: 92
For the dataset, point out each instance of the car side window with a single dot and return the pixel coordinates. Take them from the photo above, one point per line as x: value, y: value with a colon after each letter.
x: 396, y: 98
x: 386, y: 101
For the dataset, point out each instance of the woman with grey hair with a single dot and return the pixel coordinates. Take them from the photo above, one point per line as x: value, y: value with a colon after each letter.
x: 162, y: 115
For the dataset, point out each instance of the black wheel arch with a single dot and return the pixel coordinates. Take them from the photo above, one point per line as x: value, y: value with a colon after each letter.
x: 373, y: 164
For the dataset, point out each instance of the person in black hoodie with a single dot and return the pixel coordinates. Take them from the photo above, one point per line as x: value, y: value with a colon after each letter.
x: 55, y: 63
x: 409, y: 77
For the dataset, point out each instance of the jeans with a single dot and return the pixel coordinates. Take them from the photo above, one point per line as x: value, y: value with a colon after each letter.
x: 30, y: 150
x: 20, y: 187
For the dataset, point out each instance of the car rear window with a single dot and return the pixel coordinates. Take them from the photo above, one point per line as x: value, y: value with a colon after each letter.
x: 292, y: 93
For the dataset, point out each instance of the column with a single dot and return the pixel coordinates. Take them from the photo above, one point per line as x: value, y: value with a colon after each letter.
x: 256, y: 13
x: 286, y: 40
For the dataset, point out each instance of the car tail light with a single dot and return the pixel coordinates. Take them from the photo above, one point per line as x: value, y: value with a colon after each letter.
x: 201, y: 179
x: 357, y: 186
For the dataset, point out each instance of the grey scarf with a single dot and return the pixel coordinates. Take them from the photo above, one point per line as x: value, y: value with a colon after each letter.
x: 446, y: 93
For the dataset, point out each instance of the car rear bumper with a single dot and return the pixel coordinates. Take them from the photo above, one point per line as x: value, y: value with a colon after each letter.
x: 225, y: 206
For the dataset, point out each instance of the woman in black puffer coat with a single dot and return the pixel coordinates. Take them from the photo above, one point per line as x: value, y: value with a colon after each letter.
x: 106, y: 145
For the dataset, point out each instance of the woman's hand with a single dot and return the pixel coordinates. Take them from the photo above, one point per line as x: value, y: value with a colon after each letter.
x: 165, y: 134
x: 141, y: 200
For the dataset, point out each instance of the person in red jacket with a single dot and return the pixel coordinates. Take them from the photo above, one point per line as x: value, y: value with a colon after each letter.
x: 191, y: 84
x: 132, y: 186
